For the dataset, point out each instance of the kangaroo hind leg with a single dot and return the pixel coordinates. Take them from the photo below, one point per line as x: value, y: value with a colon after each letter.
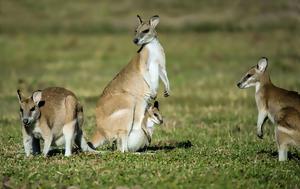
x: 70, y: 123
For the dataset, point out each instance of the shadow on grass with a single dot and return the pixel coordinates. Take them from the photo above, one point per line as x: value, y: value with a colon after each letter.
x: 274, y: 154
x: 55, y: 152
x: 165, y: 146
x: 169, y: 145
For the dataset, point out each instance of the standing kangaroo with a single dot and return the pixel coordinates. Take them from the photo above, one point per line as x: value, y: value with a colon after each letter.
x: 54, y: 115
x: 123, y: 103
x: 281, y: 106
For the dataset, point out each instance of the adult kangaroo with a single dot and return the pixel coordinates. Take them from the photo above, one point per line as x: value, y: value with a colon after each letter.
x: 122, y: 104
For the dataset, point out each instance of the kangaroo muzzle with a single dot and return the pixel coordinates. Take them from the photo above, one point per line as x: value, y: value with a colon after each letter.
x: 239, y: 85
x: 135, y: 41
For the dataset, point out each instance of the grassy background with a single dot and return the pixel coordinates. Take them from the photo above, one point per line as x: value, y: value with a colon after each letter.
x: 81, y: 45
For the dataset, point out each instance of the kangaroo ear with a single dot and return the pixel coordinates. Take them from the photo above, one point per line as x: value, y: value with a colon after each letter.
x: 37, y: 97
x: 156, y: 105
x: 20, y: 95
x: 262, y: 64
x: 140, y: 19
x: 154, y: 20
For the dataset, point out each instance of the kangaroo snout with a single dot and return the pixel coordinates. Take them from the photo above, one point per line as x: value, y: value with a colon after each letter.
x: 26, y: 121
x: 135, y: 41
x: 239, y: 85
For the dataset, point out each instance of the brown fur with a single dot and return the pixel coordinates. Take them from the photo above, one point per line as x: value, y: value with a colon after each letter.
x: 127, y: 91
x: 281, y: 106
x: 123, y: 103
x: 57, y: 116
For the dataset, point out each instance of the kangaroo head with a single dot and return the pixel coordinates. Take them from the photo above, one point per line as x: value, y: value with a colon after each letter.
x: 255, y: 75
x: 145, y: 31
x: 30, y: 107
x: 154, y: 115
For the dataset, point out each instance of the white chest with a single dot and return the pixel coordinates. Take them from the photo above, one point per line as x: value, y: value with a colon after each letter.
x: 150, y: 127
x: 154, y: 75
x: 37, y: 132
x: 156, y: 57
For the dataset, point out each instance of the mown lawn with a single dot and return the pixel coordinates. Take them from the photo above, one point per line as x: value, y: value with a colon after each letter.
x: 205, y: 109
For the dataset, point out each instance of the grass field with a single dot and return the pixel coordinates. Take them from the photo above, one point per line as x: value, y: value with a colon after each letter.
x: 205, y: 108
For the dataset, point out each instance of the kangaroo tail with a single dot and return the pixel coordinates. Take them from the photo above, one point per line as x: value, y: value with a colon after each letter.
x: 80, y: 116
x: 91, y: 145
x: 80, y: 139
x: 86, y: 146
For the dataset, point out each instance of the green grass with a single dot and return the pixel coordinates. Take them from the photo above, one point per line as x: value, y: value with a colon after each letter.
x: 205, y: 106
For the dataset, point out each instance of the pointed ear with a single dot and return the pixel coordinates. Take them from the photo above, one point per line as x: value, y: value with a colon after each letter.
x: 20, y: 95
x: 37, y: 97
x: 262, y: 64
x: 156, y: 105
x: 154, y: 20
x: 140, y: 19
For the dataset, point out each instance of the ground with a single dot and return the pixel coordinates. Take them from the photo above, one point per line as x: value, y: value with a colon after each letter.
x: 209, y: 137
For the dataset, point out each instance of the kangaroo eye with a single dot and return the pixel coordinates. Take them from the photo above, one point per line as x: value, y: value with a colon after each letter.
x: 146, y: 31
x: 248, y: 75
x: 21, y: 110
x: 155, y: 114
x: 32, y: 109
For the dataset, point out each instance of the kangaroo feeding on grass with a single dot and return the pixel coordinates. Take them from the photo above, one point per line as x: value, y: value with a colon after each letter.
x: 54, y: 115
x: 123, y: 102
x: 281, y: 106
x: 139, y: 139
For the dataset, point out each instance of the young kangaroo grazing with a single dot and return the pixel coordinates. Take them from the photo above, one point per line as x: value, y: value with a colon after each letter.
x: 122, y: 104
x: 54, y: 115
x: 139, y: 139
x: 281, y: 106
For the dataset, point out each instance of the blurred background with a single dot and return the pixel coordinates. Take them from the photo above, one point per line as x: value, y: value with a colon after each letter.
x: 95, y: 17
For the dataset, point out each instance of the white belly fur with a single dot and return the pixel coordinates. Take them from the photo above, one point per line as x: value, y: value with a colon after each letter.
x: 37, y: 133
x: 156, y: 56
x: 154, y: 75
x: 136, y: 140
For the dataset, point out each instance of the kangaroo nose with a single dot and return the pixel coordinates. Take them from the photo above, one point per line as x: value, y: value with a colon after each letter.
x: 25, y: 121
x: 135, y: 40
x: 239, y: 85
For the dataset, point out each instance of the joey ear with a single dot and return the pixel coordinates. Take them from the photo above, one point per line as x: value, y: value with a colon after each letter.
x: 20, y: 95
x: 154, y: 20
x: 262, y: 64
x: 156, y: 105
x: 37, y: 97
x: 140, y: 19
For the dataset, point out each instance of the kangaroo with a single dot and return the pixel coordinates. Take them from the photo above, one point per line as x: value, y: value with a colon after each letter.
x: 54, y: 115
x: 281, y: 106
x: 123, y: 102
x: 141, y: 138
